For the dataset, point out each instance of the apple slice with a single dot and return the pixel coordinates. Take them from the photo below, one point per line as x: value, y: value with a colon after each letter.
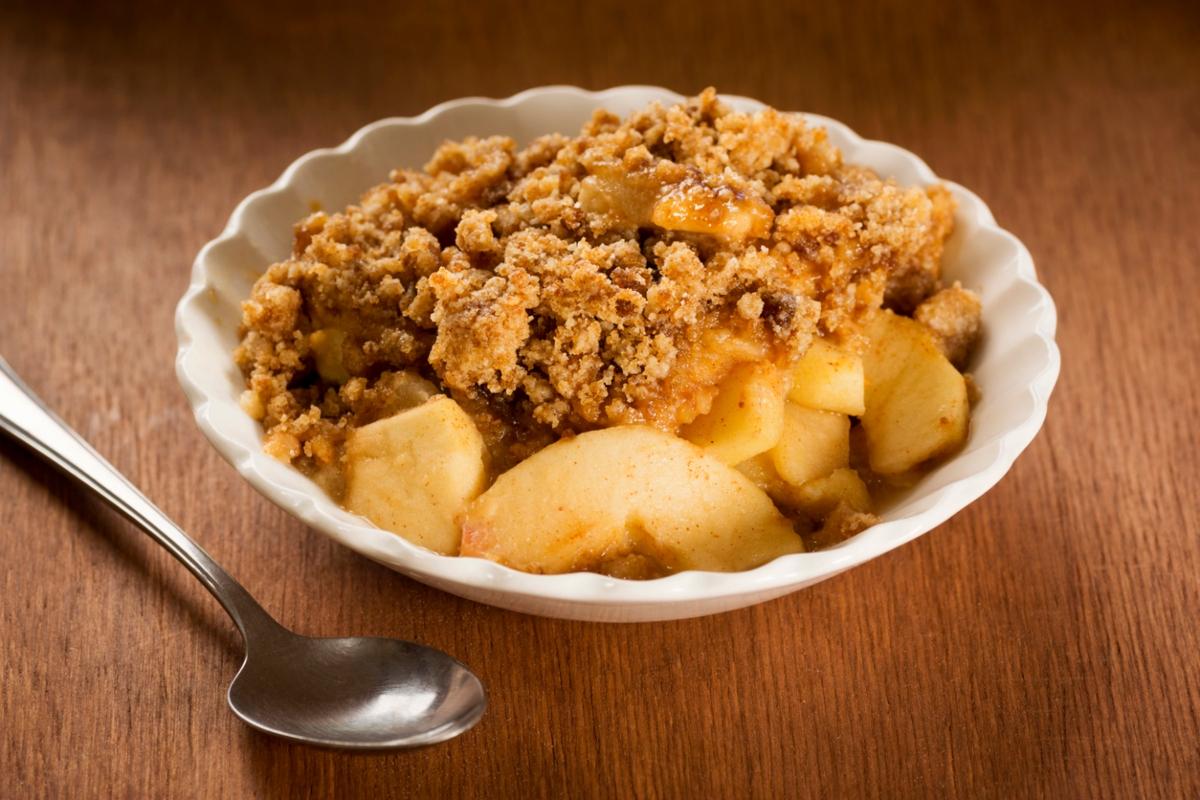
x: 818, y: 498
x: 814, y: 443
x: 629, y: 500
x: 414, y: 473
x: 746, y: 416
x: 917, y: 407
x: 327, y: 345
x: 828, y: 378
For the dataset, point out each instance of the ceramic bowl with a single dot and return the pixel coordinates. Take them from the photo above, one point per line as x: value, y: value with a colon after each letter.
x: 1016, y: 365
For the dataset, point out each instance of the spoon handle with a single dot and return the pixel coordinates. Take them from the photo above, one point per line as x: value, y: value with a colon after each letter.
x: 24, y: 416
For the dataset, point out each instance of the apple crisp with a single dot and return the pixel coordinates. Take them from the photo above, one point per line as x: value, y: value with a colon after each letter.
x: 613, y: 278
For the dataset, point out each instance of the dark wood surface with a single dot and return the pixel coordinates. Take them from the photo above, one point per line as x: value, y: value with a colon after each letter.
x: 1043, y: 643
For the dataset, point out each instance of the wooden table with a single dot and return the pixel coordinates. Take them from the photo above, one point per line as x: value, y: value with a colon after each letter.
x: 1042, y: 643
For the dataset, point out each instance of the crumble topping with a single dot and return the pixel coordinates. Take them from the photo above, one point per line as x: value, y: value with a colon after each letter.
x: 955, y: 315
x: 614, y: 277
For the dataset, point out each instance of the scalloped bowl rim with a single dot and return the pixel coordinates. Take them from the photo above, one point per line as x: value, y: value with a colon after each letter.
x: 506, y: 587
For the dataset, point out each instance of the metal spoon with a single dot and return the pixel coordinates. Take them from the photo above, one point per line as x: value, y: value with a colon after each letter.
x: 362, y: 693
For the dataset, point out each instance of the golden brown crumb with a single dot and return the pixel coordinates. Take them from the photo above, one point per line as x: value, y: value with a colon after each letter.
x: 918, y: 268
x: 955, y: 316
x: 842, y: 523
x: 614, y: 277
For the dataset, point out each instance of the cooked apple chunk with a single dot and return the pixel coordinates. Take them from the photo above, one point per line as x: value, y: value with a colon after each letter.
x: 916, y: 400
x: 414, y: 473
x: 828, y: 378
x: 626, y: 495
x: 327, y: 345
x: 813, y: 443
x: 746, y: 417
x: 761, y: 470
x: 696, y: 207
x: 674, y: 200
x: 818, y: 498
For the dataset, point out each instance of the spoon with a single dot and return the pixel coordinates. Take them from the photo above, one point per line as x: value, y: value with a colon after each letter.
x: 360, y: 693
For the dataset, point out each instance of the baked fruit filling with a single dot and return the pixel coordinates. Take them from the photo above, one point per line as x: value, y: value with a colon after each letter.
x: 690, y: 339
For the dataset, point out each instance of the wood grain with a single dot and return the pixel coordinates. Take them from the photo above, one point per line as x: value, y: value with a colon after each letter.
x: 1044, y: 643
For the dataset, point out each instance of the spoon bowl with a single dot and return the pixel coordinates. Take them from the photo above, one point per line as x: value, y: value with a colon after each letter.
x: 356, y: 693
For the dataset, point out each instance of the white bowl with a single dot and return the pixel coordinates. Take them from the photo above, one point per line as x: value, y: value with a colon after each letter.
x: 1016, y: 365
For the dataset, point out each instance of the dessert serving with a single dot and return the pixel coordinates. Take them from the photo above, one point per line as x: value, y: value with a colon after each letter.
x: 690, y: 339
